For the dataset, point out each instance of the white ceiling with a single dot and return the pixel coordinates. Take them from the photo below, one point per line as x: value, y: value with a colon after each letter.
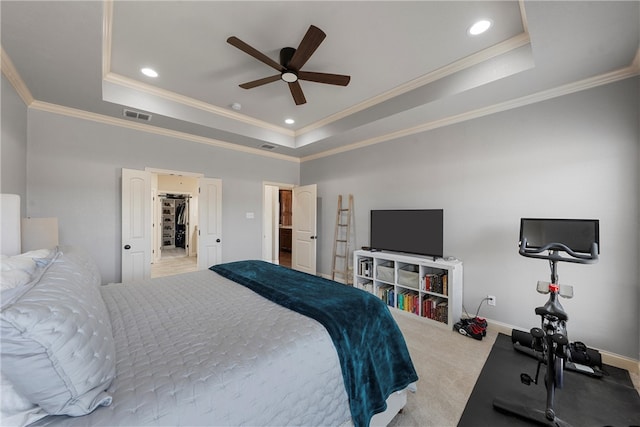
x: 412, y: 64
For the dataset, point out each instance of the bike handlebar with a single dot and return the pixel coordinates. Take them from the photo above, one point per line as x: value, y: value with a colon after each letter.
x: 553, y: 255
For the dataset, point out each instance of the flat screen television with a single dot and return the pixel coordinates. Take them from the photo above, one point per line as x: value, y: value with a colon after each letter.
x: 414, y: 231
x: 577, y: 234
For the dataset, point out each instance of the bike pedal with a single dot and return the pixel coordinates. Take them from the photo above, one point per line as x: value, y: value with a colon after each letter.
x: 525, y: 379
x: 560, y: 339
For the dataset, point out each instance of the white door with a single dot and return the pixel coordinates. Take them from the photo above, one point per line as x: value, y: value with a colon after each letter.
x: 270, y: 220
x: 136, y: 225
x: 210, y: 222
x: 303, y: 241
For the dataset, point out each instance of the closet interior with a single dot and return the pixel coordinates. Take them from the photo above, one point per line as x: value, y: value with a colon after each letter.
x: 175, y: 221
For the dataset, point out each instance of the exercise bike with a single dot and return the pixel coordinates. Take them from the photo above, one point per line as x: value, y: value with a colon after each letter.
x: 550, y: 342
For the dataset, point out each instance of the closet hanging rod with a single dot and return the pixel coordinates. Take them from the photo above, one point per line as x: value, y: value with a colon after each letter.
x: 175, y: 196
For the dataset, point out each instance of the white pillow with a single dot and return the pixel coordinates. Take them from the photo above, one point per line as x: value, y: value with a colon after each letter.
x: 10, y: 279
x: 19, y: 270
x: 17, y: 262
x: 57, y: 345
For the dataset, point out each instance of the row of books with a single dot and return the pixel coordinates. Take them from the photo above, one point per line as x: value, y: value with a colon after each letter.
x: 409, y: 301
x: 436, y: 282
x: 386, y: 294
x: 435, y: 308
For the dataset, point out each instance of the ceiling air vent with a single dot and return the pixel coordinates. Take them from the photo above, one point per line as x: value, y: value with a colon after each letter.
x: 267, y: 146
x: 137, y: 115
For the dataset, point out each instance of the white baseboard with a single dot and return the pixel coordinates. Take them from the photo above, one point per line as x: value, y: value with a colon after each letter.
x: 609, y: 358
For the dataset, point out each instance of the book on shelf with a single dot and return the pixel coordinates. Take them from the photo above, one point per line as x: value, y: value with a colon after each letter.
x: 408, y: 301
x: 435, y: 308
x: 436, y: 283
x: 386, y: 294
x: 365, y: 267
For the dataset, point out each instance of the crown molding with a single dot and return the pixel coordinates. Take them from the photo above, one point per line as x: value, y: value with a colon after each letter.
x: 10, y: 72
x: 508, y: 45
x: 588, y: 83
x: 127, y: 82
x: 86, y: 115
x: 469, y: 61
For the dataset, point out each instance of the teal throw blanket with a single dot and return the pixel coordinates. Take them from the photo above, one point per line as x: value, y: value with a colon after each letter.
x: 373, y: 354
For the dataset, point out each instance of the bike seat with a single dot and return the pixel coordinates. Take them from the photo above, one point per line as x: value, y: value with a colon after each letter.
x: 552, y: 309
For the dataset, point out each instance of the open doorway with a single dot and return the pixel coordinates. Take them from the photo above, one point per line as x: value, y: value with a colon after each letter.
x: 141, y: 232
x: 300, y: 253
x: 277, y: 224
x: 175, y: 224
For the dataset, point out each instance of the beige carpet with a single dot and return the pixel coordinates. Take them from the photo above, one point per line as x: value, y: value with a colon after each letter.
x: 448, y: 365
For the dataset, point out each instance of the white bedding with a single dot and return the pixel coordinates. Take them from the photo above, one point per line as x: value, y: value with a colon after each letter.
x: 198, y: 349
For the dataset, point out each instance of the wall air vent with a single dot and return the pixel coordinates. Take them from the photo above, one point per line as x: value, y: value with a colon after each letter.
x: 267, y: 146
x: 136, y: 115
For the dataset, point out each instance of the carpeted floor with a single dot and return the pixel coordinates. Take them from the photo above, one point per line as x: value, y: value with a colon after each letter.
x: 448, y: 365
x: 583, y: 401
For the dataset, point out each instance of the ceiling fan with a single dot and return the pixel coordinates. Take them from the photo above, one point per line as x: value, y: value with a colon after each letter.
x: 291, y: 61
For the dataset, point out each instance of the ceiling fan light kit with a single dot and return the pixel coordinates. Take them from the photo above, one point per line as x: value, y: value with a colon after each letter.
x: 289, y: 76
x: 291, y: 61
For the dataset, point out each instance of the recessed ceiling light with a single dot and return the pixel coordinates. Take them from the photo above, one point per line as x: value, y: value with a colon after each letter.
x: 149, y: 72
x: 289, y: 121
x: 479, y: 27
x: 236, y: 106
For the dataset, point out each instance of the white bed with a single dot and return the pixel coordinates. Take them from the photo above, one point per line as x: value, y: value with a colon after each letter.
x: 192, y: 349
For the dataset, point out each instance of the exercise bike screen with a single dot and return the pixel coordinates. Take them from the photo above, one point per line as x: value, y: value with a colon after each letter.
x: 577, y: 234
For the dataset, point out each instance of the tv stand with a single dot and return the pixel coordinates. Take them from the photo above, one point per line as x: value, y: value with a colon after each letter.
x: 426, y: 287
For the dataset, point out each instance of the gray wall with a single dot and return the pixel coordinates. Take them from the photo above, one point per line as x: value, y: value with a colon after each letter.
x: 13, y: 150
x: 75, y: 174
x: 574, y: 157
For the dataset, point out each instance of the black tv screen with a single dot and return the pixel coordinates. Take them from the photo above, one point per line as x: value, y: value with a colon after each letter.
x: 415, y: 231
x: 577, y: 234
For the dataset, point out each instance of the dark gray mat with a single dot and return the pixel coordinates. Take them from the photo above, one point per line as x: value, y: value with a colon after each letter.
x: 583, y: 401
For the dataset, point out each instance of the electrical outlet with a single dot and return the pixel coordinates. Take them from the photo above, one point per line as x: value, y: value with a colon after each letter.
x: 491, y: 300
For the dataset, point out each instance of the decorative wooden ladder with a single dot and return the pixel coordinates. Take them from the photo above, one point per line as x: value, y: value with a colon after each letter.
x: 342, y: 235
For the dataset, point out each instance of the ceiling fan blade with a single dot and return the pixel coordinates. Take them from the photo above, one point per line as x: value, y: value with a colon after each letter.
x: 331, y: 79
x: 296, y: 92
x: 260, y: 82
x: 234, y: 41
x: 308, y: 45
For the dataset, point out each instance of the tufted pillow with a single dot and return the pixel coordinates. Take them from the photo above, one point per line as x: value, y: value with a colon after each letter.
x: 20, y: 270
x: 10, y: 279
x: 17, y: 262
x: 57, y: 345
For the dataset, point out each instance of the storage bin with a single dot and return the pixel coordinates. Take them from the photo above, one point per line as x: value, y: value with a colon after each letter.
x: 385, y: 272
x: 409, y: 276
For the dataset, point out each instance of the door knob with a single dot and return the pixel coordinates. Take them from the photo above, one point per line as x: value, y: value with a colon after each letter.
x: 127, y: 247
x: 217, y: 240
